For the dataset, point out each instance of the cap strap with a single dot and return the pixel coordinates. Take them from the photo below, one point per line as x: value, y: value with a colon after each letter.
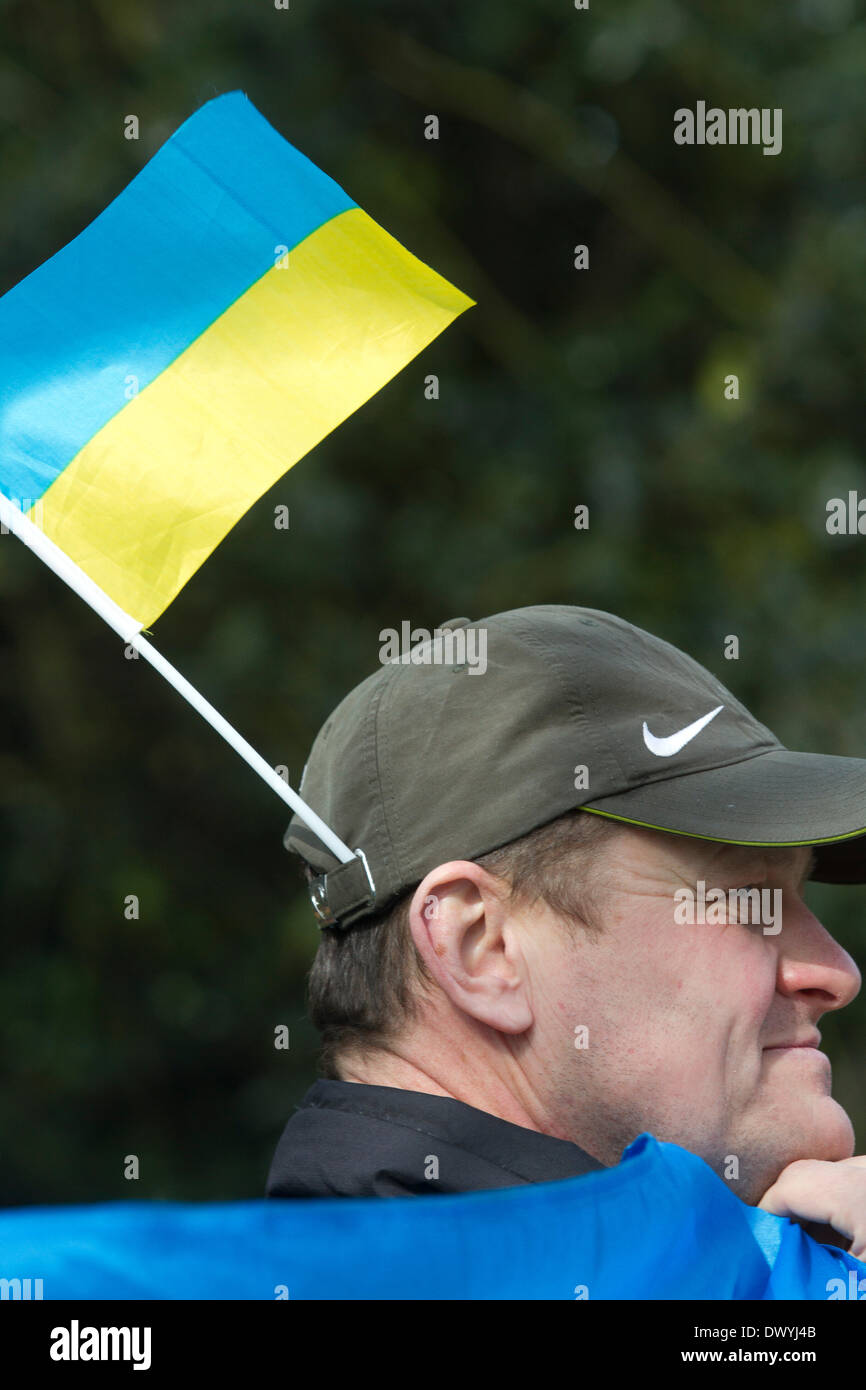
x: 342, y: 894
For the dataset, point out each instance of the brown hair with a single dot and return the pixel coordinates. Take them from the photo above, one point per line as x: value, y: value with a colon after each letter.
x: 365, y: 983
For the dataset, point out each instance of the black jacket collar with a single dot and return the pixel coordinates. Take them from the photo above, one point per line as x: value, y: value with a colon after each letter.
x: 352, y: 1140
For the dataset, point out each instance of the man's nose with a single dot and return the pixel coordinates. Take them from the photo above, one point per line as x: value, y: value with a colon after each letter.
x: 811, y: 961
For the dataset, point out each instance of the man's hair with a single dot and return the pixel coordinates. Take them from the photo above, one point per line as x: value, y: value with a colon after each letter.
x: 365, y: 983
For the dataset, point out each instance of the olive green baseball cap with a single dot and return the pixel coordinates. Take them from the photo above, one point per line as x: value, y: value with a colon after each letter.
x: 486, y: 730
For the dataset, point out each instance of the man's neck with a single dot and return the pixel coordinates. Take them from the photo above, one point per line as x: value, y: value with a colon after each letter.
x: 388, y: 1069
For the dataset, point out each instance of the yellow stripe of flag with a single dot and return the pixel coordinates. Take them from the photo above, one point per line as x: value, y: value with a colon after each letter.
x: 286, y: 363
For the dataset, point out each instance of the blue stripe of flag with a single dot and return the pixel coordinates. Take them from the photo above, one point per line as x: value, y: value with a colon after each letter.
x: 190, y: 234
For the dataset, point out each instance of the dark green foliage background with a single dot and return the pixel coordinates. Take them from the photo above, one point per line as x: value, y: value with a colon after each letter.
x: 155, y: 1037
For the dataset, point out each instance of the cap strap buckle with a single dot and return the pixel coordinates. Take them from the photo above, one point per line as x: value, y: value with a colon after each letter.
x: 341, y: 894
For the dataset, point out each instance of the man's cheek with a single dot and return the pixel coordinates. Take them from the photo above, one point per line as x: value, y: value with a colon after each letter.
x: 673, y: 1064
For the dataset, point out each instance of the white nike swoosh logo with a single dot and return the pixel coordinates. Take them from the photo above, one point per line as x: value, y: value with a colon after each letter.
x: 666, y: 747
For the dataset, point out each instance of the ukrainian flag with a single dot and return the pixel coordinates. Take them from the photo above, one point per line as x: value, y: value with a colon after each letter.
x: 227, y: 311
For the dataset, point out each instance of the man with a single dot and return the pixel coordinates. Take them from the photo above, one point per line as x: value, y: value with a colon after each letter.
x: 577, y: 915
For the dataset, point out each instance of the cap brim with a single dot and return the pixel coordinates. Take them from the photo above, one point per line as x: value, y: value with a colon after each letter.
x: 773, y: 799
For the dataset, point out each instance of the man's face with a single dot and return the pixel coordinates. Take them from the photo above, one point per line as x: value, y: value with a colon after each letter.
x: 688, y: 1021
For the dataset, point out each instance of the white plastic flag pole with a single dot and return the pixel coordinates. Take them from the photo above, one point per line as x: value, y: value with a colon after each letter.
x: 15, y: 520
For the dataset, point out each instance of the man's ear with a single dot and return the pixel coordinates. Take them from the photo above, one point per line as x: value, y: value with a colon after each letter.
x: 464, y: 928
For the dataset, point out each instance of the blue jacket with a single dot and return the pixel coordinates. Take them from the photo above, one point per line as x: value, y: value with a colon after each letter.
x: 659, y: 1225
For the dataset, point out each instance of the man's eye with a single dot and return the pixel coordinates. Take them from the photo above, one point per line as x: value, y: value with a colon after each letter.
x: 742, y: 907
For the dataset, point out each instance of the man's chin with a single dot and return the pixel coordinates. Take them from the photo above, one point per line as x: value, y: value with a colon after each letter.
x: 826, y: 1134
x: 823, y: 1131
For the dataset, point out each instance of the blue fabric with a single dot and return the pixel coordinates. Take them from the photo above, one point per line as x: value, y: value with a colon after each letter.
x: 660, y: 1225
x: 190, y: 234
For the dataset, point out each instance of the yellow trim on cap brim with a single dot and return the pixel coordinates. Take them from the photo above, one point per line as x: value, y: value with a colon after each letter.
x: 720, y: 840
